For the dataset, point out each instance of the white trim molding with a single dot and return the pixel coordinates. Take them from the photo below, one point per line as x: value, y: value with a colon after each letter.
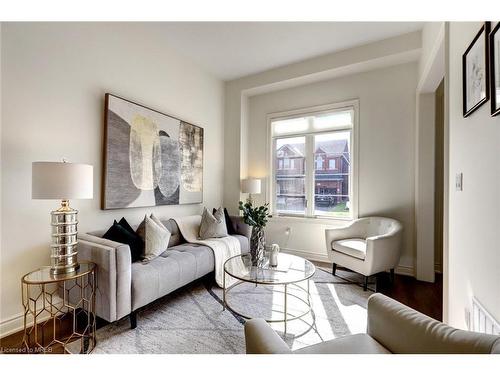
x: 11, y: 325
x: 15, y: 323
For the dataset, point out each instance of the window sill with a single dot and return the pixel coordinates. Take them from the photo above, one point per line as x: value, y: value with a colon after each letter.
x: 310, y: 220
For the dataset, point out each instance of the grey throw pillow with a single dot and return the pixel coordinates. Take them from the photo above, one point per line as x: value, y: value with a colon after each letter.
x: 212, y: 225
x: 155, y: 235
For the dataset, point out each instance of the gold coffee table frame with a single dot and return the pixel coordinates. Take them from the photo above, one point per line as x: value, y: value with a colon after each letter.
x: 286, y: 293
x: 49, y: 298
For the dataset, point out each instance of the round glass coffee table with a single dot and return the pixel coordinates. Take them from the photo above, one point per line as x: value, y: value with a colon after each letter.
x: 291, y: 271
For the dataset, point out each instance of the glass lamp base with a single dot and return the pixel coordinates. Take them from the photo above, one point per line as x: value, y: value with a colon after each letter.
x: 63, y: 257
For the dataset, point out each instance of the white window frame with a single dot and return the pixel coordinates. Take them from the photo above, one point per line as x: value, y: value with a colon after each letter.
x: 310, y: 162
x: 330, y: 164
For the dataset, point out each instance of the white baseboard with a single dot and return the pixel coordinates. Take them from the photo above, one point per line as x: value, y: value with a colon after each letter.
x: 405, y: 270
x: 308, y: 255
x: 16, y: 322
x: 11, y: 325
x: 400, y: 270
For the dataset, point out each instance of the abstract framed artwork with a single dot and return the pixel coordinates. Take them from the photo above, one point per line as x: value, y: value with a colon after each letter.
x: 150, y: 158
x: 495, y: 70
x: 475, y: 72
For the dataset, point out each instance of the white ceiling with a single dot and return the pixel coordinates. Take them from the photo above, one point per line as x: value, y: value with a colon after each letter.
x: 231, y: 50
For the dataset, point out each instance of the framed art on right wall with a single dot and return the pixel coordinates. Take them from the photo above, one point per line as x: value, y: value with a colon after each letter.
x: 495, y: 70
x: 475, y: 72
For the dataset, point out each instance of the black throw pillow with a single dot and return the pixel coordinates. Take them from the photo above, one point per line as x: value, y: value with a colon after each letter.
x: 119, y: 233
x: 124, y: 223
x: 229, y: 223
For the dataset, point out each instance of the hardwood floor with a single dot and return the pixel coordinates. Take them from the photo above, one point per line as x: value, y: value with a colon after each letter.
x: 419, y: 295
x: 422, y: 296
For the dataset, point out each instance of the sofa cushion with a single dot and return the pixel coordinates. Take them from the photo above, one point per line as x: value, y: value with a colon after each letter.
x: 176, y: 237
x: 229, y: 223
x: 202, y: 257
x: 155, y: 236
x: 174, y: 268
x: 212, y: 226
x: 160, y: 276
x: 120, y: 234
x: 355, y: 247
x: 359, y: 343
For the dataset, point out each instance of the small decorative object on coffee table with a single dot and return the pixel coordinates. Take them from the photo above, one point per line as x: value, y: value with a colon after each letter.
x: 273, y: 256
x: 256, y: 217
x: 299, y: 270
x: 51, y: 301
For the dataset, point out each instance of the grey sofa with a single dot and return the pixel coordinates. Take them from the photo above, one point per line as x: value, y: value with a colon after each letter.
x: 124, y: 287
x: 392, y: 328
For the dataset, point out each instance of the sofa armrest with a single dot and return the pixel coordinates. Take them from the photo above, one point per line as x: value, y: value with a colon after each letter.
x: 260, y: 338
x: 114, y: 275
x: 241, y: 227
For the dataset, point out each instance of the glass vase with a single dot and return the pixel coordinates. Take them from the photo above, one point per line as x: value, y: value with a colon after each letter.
x: 257, y: 245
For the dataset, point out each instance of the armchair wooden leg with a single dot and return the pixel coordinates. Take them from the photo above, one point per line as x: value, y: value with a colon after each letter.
x: 365, y: 284
x: 133, y: 320
x: 392, y: 275
x: 334, y: 268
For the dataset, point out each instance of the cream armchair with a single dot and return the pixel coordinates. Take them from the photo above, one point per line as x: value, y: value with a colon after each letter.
x: 368, y: 246
x: 391, y: 328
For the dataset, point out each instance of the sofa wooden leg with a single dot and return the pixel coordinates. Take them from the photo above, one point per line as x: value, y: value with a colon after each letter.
x: 133, y: 320
x: 334, y: 268
x: 392, y: 275
x: 365, y: 284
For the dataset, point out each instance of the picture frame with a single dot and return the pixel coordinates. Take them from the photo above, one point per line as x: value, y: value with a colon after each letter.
x: 494, y: 50
x: 150, y: 158
x: 475, y: 72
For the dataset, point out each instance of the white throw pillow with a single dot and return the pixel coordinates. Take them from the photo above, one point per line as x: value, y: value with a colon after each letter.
x: 155, y: 235
x: 212, y: 226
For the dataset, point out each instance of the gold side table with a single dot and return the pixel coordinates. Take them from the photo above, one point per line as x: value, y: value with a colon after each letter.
x: 62, y: 310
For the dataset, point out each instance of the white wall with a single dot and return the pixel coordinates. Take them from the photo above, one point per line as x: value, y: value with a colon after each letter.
x: 388, y: 52
x: 54, y: 80
x: 386, y: 154
x: 474, y: 213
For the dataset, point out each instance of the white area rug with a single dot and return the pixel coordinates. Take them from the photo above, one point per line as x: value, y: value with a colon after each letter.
x: 191, y: 320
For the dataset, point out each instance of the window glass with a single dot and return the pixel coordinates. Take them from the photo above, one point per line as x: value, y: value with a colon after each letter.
x: 332, y: 120
x: 322, y: 142
x: 290, y: 126
x: 290, y: 181
x: 331, y: 186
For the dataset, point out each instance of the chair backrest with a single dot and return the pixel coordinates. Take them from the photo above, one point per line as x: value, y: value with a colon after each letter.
x: 403, y: 330
x: 377, y: 225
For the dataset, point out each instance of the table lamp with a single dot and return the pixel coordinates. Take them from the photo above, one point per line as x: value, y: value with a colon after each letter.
x: 250, y: 186
x: 62, y: 181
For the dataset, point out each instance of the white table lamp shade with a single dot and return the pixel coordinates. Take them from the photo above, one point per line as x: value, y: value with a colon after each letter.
x: 250, y: 186
x: 58, y: 180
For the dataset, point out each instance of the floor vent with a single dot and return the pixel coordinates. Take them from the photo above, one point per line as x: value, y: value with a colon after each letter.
x: 482, y: 321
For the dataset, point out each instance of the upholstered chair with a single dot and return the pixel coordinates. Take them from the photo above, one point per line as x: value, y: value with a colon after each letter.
x: 391, y: 328
x: 367, y: 246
